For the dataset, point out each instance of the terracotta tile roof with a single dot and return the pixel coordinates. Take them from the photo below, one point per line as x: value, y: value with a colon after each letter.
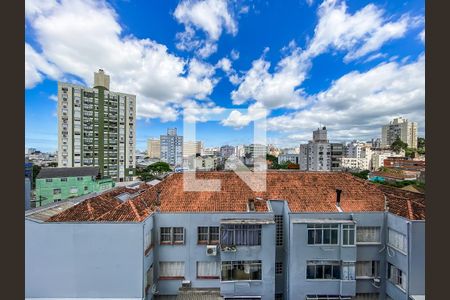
x: 304, y: 191
x: 403, y: 203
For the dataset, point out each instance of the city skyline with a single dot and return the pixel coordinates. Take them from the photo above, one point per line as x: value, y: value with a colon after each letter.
x: 324, y: 72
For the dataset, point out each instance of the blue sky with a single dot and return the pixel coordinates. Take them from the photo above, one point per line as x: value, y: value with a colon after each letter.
x: 351, y: 65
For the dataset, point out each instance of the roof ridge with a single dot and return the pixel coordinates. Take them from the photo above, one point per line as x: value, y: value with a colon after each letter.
x: 89, y: 208
x: 134, y: 209
x: 410, y: 210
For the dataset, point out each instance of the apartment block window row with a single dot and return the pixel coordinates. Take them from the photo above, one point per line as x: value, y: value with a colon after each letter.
x: 323, y: 234
x: 240, y: 235
x: 396, y: 276
x: 279, y: 229
x: 327, y: 269
x: 208, y: 235
x: 208, y: 269
x: 367, y: 269
x: 241, y: 270
x: 171, y: 270
x: 366, y: 234
x: 397, y: 240
x: 172, y: 235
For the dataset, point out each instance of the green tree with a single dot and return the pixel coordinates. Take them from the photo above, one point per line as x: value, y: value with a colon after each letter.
x: 363, y: 174
x: 52, y: 164
x: 421, y: 145
x: 272, y: 159
x: 399, y: 145
x: 158, y: 167
x: 36, y: 170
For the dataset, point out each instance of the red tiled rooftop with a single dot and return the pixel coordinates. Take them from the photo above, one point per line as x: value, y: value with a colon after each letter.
x: 304, y: 191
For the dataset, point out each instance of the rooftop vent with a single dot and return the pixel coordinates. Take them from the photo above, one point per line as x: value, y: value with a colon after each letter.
x: 251, y: 205
x: 338, y: 197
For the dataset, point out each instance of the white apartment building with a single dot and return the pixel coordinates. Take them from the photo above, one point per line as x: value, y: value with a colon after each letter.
x: 316, y: 155
x: 379, y: 157
x: 402, y: 128
x: 206, y: 163
x: 154, y: 148
x: 354, y: 163
x: 96, y: 127
x: 172, y: 147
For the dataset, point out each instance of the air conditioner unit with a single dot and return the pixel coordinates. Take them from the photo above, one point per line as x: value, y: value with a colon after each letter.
x: 211, y: 250
x: 186, y: 284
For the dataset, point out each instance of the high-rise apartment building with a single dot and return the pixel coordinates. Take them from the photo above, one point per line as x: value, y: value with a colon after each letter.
x: 337, y: 153
x: 154, y: 148
x: 316, y: 155
x: 172, y: 148
x: 227, y: 151
x: 402, y: 128
x: 96, y: 127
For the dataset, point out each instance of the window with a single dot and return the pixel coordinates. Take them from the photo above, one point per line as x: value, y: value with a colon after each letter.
x: 327, y: 297
x: 397, y: 240
x: 279, y: 268
x: 348, y: 235
x: 317, y: 269
x: 279, y: 296
x: 367, y: 269
x: 73, y: 190
x: 365, y: 234
x: 366, y: 296
x: 208, y: 235
x: 171, y: 235
x: 208, y: 269
x: 323, y: 234
x: 279, y: 229
x: 48, y: 180
x: 396, y: 276
x: 148, y: 239
x: 149, y: 279
x: 56, y: 200
x: 86, y: 188
x: 79, y: 178
x: 63, y: 179
x: 56, y: 191
x: 241, y: 270
x: 348, y: 271
x: 171, y: 270
x: 240, y: 235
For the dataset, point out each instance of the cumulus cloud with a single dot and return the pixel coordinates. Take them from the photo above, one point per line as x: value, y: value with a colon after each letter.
x: 212, y: 17
x: 361, y: 33
x: 143, y: 67
x: 277, y: 89
x: 357, y: 104
x: 422, y: 35
x: 241, y: 118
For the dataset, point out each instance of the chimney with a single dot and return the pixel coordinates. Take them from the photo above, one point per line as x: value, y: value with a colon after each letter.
x: 251, y: 205
x: 338, y: 197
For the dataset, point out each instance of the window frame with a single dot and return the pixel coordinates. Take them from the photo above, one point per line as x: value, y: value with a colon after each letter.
x: 171, y: 234
x: 208, y: 277
x: 346, y: 230
x: 405, y: 241
x: 322, y: 264
x: 332, y: 227
x: 209, y: 234
x: 279, y: 230
x: 171, y: 277
x: 238, y: 263
x: 240, y: 227
x: 375, y: 269
x: 398, y: 280
x: 368, y: 243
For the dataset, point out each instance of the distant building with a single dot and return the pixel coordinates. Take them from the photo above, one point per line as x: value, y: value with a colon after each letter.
x: 154, y: 148
x: 214, y: 151
x: 206, y: 163
x: 273, y: 150
x: 240, y: 151
x: 399, y: 128
x: 293, y: 158
x: 172, y: 148
x: 379, y: 157
x: 191, y: 148
x: 337, y: 153
x: 31, y: 150
x: 96, y: 127
x: 376, y: 143
x: 56, y: 184
x: 354, y: 163
x: 227, y: 150
x: 316, y: 155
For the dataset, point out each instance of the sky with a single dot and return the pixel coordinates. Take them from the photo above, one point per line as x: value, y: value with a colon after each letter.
x: 349, y: 65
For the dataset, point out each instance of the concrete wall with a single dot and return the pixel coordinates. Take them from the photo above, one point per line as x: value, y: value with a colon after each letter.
x: 27, y: 193
x: 191, y: 252
x: 417, y: 258
x: 83, y: 260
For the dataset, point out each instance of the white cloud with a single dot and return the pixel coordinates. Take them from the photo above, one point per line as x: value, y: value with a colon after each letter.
x: 375, y: 56
x: 244, y: 9
x: 195, y: 112
x: 238, y: 119
x: 277, y: 89
x: 209, y: 16
x: 357, y: 104
x: 234, y: 54
x: 360, y: 33
x: 143, y: 67
x: 422, y: 35
x: 310, y: 2
x: 53, y: 98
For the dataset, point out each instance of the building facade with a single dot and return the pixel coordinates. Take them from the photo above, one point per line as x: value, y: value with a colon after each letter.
x: 293, y: 158
x: 399, y: 128
x: 227, y: 151
x: 364, y: 244
x: 57, y: 184
x: 337, y: 153
x: 96, y: 127
x: 316, y: 155
x: 191, y: 148
x: 172, y: 148
x: 154, y: 148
